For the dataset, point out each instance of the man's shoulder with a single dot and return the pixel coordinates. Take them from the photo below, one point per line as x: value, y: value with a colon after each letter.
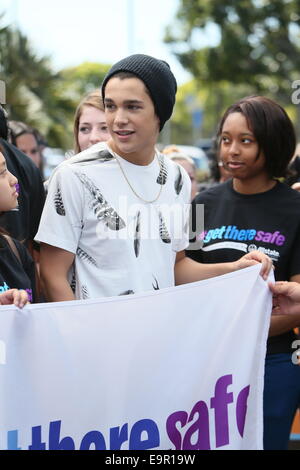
x: 93, y: 155
x: 172, y: 167
x: 168, y: 162
x: 85, y: 161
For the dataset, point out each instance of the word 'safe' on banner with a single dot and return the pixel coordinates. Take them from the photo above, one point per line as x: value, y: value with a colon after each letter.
x: 180, y: 368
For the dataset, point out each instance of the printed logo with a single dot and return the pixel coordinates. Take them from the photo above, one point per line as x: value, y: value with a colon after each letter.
x: 193, y: 429
x: 273, y: 254
x: 231, y: 232
x: 235, y: 237
x: 252, y: 248
x: 4, y: 288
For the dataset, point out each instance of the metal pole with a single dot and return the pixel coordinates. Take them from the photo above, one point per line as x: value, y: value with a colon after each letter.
x: 130, y: 26
x: 14, y: 13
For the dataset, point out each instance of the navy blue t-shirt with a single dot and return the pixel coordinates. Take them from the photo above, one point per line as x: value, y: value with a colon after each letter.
x: 235, y: 224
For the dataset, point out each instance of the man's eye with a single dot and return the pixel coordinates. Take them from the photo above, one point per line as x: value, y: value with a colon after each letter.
x: 133, y: 107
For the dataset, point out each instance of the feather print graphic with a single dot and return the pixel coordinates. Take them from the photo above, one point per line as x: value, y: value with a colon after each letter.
x: 84, y: 256
x: 104, y: 156
x: 163, y: 231
x: 163, y: 174
x: 137, y: 235
x: 127, y: 292
x: 84, y: 292
x: 178, y: 181
x: 58, y: 202
x: 100, y: 206
x: 73, y: 282
x: 155, y: 285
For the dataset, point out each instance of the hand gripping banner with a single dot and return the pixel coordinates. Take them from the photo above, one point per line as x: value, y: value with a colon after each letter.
x: 180, y: 368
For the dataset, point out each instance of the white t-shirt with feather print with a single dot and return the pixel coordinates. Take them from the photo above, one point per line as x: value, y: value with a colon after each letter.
x: 121, y: 244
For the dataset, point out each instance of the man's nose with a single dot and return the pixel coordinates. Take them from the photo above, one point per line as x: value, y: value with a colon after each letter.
x: 121, y: 116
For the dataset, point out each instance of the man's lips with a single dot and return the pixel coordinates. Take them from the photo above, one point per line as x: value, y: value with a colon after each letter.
x: 124, y: 136
x: 124, y: 133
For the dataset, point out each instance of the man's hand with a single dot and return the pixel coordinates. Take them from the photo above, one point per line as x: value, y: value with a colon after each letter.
x: 253, y: 258
x: 14, y: 296
x: 286, y: 298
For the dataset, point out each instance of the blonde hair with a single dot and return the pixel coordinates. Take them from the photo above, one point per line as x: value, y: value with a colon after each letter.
x: 93, y: 99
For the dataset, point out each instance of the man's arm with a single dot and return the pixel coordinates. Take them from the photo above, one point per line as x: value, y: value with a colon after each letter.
x: 188, y: 270
x: 54, y: 265
x: 286, y: 306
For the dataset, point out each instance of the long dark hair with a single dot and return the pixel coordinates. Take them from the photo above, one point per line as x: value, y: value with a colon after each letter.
x: 2, y: 230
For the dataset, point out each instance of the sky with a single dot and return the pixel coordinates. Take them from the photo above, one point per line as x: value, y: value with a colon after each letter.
x: 72, y: 32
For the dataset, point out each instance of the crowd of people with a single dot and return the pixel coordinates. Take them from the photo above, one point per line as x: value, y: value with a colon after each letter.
x: 70, y: 245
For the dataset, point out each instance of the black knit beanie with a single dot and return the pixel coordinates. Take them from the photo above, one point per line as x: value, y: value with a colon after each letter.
x: 156, y: 75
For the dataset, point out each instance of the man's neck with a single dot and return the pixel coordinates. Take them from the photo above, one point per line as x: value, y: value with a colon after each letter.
x: 142, y: 158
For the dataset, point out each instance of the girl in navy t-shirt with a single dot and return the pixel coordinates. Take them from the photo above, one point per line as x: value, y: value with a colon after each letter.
x: 255, y: 211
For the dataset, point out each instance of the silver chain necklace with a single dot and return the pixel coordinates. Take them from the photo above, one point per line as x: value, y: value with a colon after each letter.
x: 131, y: 187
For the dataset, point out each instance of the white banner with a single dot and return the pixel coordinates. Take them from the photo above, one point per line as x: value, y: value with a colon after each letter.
x: 180, y: 368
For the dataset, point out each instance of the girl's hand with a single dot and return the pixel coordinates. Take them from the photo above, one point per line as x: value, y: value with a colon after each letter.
x: 286, y: 298
x: 14, y: 296
x: 255, y: 257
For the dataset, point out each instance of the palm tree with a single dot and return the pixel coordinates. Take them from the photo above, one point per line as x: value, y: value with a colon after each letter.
x: 32, y: 87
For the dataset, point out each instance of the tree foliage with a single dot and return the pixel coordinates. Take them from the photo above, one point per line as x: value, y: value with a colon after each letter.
x: 39, y: 96
x: 84, y: 78
x: 213, y: 100
x: 31, y: 86
x: 258, y: 47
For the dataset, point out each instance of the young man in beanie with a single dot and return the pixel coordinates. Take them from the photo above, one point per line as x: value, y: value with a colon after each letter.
x: 106, y: 228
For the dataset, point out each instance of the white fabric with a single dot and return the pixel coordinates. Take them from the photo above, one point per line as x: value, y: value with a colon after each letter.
x: 107, y: 261
x: 170, y: 369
